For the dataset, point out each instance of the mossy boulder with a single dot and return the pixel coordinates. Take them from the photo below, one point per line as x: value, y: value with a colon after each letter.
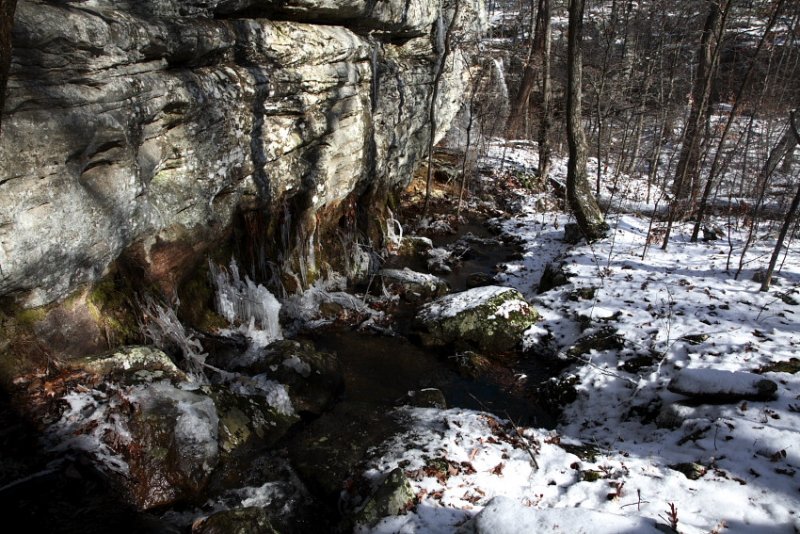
x: 170, y: 446
x: 491, y: 319
x: 392, y: 497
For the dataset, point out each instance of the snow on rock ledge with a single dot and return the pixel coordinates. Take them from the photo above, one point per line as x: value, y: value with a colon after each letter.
x: 506, y: 516
x: 491, y: 318
x: 714, y: 385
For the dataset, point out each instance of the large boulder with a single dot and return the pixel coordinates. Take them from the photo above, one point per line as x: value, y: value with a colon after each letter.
x: 491, y: 319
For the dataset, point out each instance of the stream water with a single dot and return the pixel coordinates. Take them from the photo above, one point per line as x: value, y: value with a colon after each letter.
x: 379, y: 372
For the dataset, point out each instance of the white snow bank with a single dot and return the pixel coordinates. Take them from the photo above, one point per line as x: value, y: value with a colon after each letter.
x: 718, y: 382
x: 507, y: 516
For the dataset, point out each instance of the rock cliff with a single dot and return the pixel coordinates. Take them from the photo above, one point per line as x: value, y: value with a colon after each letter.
x: 158, y: 130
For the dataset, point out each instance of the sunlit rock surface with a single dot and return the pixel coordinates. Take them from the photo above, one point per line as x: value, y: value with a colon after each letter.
x: 143, y: 127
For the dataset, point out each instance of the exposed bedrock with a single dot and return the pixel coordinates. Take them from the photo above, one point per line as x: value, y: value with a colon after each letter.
x: 157, y: 131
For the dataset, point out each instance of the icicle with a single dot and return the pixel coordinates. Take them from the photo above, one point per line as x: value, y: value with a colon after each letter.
x: 247, y: 303
x: 440, y: 34
x: 394, y: 238
x: 374, y: 85
x: 165, y: 330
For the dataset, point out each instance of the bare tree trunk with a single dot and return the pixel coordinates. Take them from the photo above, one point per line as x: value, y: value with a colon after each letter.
x: 543, y: 16
x: 689, y: 160
x: 701, y: 93
x: 519, y: 106
x: 579, y: 193
x: 7, y: 8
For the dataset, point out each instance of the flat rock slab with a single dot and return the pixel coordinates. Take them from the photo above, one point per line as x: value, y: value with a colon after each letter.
x: 717, y: 386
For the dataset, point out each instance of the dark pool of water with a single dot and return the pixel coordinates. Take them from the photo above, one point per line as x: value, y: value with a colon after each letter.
x: 383, y: 369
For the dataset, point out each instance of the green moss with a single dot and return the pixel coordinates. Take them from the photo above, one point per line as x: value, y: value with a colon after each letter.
x: 31, y: 316
x: 110, y: 302
x: 790, y: 366
x: 592, y: 476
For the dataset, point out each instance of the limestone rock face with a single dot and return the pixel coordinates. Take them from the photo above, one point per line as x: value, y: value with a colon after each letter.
x: 141, y: 127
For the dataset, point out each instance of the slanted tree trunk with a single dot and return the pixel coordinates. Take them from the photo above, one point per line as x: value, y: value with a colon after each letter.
x: 712, y: 175
x: 686, y: 172
x: 519, y: 105
x: 7, y: 8
x: 579, y: 193
x: 787, y: 222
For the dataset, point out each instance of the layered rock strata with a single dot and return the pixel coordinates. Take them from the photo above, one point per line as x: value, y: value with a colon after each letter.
x: 143, y: 129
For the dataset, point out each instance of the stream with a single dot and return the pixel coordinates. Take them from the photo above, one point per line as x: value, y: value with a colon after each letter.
x: 379, y: 373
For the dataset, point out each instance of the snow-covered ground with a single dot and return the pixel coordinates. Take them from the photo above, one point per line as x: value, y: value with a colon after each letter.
x: 625, y: 456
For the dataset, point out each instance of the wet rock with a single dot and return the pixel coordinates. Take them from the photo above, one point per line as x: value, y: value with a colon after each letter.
x: 471, y: 364
x: 426, y: 398
x: 606, y: 338
x: 248, y: 419
x: 479, y: 280
x: 492, y: 319
x: 440, y: 261
x: 412, y: 286
x: 553, y: 276
x: 312, y: 378
x: 327, y: 452
x: 392, y: 497
x: 717, y: 386
x: 172, y: 448
x: 239, y: 521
